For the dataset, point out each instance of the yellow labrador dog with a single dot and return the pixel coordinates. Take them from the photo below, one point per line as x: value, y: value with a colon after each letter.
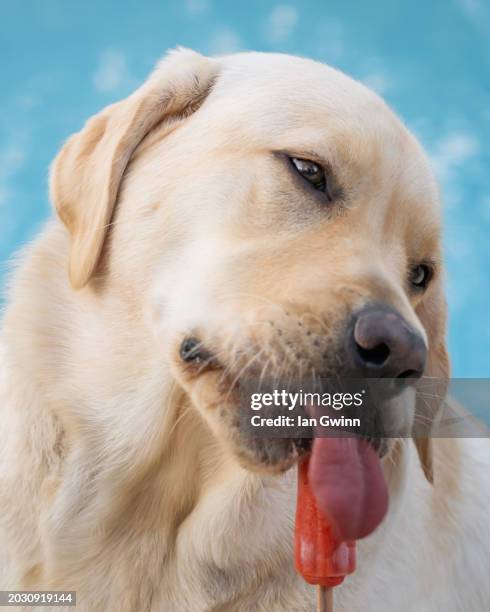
x: 234, y: 214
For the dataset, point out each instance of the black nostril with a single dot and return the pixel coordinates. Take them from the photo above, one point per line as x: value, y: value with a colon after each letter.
x: 376, y: 356
x: 189, y: 350
x: 192, y: 350
x: 410, y: 374
x: 407, y: 378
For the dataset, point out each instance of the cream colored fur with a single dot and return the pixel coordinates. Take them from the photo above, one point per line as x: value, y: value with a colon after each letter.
x: 117, y: 477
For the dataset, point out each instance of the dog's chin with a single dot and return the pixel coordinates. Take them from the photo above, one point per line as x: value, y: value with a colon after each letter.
x: 269, y: 455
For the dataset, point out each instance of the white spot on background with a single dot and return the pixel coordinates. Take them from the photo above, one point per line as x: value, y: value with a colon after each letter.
x: 196, y: 7
x: 111, y: 72
x: 451, y: 152
x: 378, y: 81
x: 224, y: 41
x: 330, y: 36
x: 476, y: 11
x: 12, y: 158
x: 281, y: 23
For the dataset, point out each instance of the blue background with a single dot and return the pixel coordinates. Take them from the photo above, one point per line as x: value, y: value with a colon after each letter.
x: 62, y: 61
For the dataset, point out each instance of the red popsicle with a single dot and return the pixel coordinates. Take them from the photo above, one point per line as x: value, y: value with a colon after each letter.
x: 320, y: 557
x: 342, y: 496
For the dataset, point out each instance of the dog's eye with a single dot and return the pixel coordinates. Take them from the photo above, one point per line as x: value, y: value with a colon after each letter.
x: 420, y: 276
x: 313, y: 173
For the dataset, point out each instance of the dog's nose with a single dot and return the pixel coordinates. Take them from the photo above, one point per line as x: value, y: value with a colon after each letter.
x: 383, y: 345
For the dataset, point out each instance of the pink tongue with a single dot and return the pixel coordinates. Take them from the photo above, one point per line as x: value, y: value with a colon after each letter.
x: 346, y: 479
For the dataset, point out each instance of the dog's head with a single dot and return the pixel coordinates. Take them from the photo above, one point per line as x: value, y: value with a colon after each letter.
x: 268, y: 216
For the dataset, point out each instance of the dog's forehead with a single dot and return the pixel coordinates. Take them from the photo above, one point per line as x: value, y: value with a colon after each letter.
x: 276, y: 100
x: 297, y: 104
x: 300, y: 91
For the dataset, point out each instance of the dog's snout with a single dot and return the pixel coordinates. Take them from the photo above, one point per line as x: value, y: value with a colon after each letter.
x: 383, y: 345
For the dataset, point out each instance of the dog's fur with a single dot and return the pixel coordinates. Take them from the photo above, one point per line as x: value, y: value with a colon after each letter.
x: 121, y: 474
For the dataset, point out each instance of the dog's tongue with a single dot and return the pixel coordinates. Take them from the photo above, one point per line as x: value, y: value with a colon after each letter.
x: 346, y: 479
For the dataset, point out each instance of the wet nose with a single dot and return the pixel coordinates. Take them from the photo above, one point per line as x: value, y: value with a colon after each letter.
x: 383, y: 345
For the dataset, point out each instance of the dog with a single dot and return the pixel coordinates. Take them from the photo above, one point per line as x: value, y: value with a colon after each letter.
x: 233, y: 216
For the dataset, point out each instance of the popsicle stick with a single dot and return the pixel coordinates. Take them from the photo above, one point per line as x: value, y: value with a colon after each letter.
x: 324, y: 599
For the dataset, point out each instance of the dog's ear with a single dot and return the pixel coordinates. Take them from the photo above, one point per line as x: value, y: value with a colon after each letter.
x: 86, y: 175
x: 432, y: 389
